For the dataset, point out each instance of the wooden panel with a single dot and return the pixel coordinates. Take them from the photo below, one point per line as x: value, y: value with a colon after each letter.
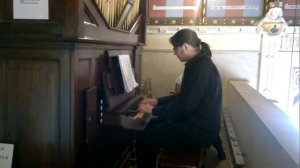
x: 63, y: 22
x: 91, y: 109
x: 82, y: 82
x: 2, y: 82
x: 36, y: 28
x: 37, y: 107
x: 32, y: 120
x: 91, y: 123
x: 72, y: 16
x: 66, y: 22
x: 84, y: 77
x: 2, y: 10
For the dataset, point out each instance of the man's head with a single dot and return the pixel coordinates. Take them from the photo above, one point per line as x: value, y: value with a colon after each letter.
x: 185, y: 36
x: 186, y: 44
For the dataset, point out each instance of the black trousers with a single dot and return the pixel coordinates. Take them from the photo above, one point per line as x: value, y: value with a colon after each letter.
x: 162, y: 133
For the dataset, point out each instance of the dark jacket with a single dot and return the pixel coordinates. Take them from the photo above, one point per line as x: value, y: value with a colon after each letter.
x: 197, y: 108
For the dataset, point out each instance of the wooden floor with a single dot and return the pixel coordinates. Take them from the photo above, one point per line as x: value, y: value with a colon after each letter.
x: 211, y: 158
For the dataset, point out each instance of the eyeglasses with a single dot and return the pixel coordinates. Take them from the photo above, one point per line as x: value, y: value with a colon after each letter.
x: 174, y: 48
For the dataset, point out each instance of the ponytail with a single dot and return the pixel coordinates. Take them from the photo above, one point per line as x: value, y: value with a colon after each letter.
x: 205, y: 49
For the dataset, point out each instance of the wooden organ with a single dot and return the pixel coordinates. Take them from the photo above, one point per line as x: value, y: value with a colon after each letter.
x: 51, y: 80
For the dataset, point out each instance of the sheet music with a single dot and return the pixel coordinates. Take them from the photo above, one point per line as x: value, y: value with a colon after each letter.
x: 127, y: 73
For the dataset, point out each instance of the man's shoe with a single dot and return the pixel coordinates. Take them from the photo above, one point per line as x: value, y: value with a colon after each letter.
x: 221, y: 155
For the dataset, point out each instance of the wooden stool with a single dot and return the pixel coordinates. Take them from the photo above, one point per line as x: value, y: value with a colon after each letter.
x: 182, y: 158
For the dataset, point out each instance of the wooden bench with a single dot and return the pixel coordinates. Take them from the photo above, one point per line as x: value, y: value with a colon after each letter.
x: 238, y: 159
x: 182, y: 158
